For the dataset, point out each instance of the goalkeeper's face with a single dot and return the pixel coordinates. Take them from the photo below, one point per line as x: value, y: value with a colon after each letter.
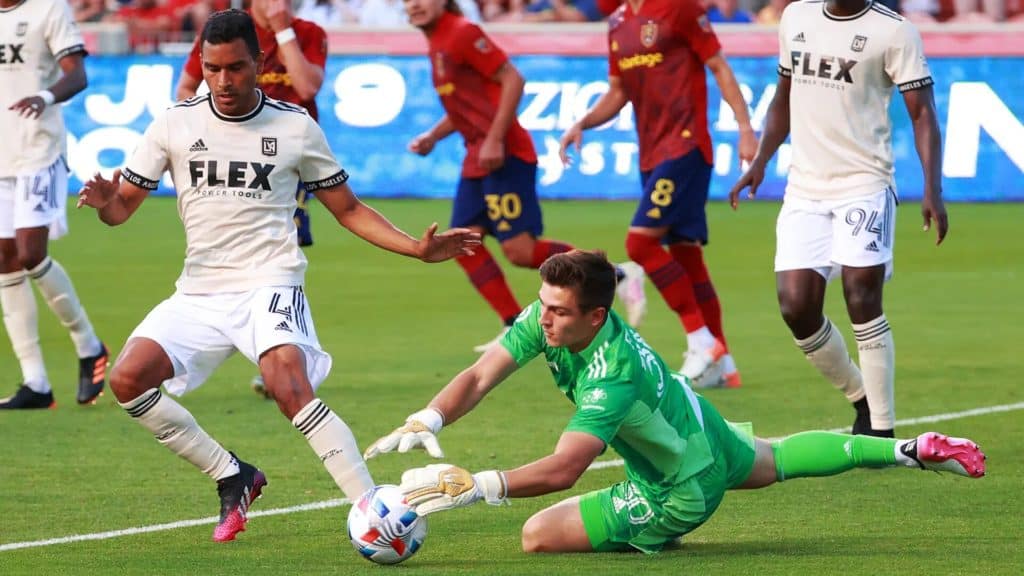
x: 230, y: 71
x: 562, y: 320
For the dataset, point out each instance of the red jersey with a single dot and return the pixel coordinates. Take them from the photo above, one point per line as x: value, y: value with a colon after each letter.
x: 659, y: 54
x: 274, y: 79
x: 463, y: 60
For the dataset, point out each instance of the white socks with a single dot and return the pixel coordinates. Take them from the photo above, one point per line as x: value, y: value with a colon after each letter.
x: 21, y: 321
x: 878, y: 364
x: 333, y: 442
x: 55, y: 286
x: 700, y: 339
x: 174, y: 427
x: 826, y: 351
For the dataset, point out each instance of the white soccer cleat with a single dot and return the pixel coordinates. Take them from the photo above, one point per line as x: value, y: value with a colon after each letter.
x: 631, y: 291
x: 700, y: 365
x: 481, y: 348
x: 934, y: 451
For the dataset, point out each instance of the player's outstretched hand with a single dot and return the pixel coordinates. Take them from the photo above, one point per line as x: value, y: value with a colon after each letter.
x: 933, y: 208
x: 434, y: 247
x: 29, y: 106
x: 442, y: 487
x: 422, y: 144
x: 751, y: 178
x: 98, y: 191
x: 419, y: 431
x: 573, y: 136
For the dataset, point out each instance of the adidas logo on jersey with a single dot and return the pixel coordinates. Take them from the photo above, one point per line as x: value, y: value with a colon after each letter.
x: 199, y: 146
x: 799, y: 37
x: 283, y: 326
x: 873, y: 247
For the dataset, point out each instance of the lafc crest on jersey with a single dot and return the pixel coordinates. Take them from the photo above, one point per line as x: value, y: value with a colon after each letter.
x: 649, y: 34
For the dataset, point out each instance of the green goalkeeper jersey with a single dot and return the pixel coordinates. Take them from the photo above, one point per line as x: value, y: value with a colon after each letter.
x: 625, y: 396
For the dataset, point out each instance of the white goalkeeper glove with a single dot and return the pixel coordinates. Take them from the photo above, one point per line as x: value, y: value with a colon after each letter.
x: 443, y: 487
x: 419, y: 431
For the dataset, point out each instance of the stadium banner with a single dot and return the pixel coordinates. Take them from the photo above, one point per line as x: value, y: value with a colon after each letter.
x: 372, y: 105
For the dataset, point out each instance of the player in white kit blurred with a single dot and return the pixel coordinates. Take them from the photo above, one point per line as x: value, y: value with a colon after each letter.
x: 838, y: 64
x: 41, y: 65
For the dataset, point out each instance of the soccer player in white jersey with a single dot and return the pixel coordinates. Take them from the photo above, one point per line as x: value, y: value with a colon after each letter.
x: 41, y: 65
x: 236, y: 157
x: 838, y: 64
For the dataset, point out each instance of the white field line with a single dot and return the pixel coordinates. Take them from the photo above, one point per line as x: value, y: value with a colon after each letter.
x: 342, y: 501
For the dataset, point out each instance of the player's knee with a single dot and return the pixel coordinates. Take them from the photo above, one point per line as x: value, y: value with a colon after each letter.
x: 798, y: 312
x: 519, y: 255
x: 639, y: 246
x: 128, y: 381
x: 533, y: 539
x: 31, y: 257
x: 863, y: 302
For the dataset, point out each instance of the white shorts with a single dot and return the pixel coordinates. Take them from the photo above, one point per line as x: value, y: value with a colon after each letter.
x: 200, y: 331
x: 825, y: 235
x: 35, y: 200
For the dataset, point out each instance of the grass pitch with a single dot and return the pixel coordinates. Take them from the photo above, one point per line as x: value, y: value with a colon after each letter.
x: 398, y: 329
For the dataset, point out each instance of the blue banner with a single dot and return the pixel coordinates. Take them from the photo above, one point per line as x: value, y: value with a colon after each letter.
x: 371, y: 106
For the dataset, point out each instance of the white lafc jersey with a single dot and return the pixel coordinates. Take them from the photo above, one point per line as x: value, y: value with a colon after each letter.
x: 236, y: 179
x: 842, y: 72
x: 34, y: 36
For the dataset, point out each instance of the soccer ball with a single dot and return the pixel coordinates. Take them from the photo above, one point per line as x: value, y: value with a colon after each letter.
x: 383, y: 528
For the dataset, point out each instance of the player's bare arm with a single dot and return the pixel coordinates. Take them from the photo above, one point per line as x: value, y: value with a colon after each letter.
x: 306, y: 77
x: 372, y: 226
x: 776, y: 130
x: 928, y: 141
x: 425, y: 142
x: 606, y: 107
x: 730, y: 90
x: 492, y: 151
x: 574, y: 452
x: 72, y: 81
x: 187, y: 86
x: 454, y: 401
x: 115, y: 200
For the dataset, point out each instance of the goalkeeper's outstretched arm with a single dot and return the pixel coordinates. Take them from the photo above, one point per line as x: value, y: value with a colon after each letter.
x: 466, y: 390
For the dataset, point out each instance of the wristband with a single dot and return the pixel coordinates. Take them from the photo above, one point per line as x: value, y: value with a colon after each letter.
x: 285, y: 36
x: 47, y: 97
x: 429, y: 417
x: 493, y: 486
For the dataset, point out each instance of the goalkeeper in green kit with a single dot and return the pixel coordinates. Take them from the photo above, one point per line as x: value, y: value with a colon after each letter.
x: 680, y: 455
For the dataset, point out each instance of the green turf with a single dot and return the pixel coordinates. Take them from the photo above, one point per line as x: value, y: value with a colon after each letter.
x: 398, y: 329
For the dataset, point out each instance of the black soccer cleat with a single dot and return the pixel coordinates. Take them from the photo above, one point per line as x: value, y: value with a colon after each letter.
x: 237, y: 493
x: 92, y: 375
x: 28, y: 399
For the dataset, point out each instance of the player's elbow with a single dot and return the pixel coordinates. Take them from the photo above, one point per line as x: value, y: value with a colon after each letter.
x: 564, y: 478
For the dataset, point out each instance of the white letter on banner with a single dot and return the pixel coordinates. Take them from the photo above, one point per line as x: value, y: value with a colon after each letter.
x: 369, y: 95
x: 146, y: 88
x: 973, y: 106
x: 591, y: 158
x: 83, y: 155
x: 549, y: 163
x: 624, y: 152
x: 543, y: 94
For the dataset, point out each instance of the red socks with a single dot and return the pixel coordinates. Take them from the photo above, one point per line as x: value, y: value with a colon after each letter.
x: 544, y: 249
x: 490, y: 282
x: 668, y: 276
x: 691, y: 257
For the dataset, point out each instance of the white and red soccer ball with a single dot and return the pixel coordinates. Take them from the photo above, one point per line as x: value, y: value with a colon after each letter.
x: 383, y: 528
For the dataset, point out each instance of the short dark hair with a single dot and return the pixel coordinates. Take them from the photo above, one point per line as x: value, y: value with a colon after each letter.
x: 229, y: 25
x: 588, y: 272
x: 453, y: 7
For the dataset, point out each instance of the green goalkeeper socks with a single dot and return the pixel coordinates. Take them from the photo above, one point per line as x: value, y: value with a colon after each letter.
x: 827, y: 453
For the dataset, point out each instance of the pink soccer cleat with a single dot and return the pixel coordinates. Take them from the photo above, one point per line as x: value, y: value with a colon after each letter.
x: 237, y: 493
x: 934, y: 451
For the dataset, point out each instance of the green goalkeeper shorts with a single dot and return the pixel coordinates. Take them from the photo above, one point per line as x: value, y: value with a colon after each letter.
x: 622, y: 516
